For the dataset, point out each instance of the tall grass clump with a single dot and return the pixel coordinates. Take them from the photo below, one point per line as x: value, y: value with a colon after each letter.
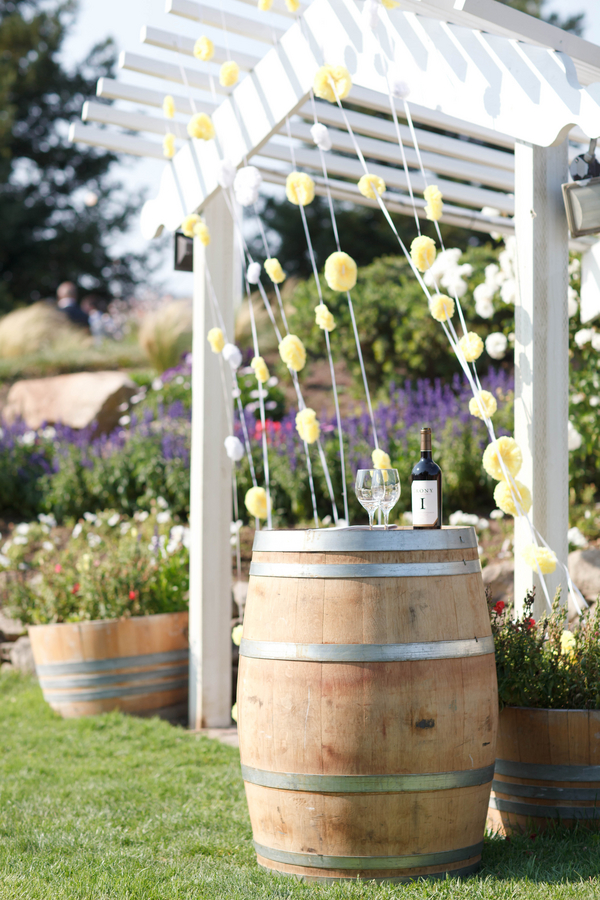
x: 35, y: 328
x: 166, y: 333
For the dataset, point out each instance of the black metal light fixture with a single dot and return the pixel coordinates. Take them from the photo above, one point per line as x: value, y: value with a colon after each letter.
x: 184, y: 253
x: 582, y: 195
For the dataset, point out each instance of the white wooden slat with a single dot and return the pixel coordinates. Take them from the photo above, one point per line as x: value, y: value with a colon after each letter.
x: 195, y: 78
x: 109, y: 115
x: 167, y: 40
x: 351, y: 168
x: 390, y: 153
x: 118, y: 90
x: 280, y: 8
x: 239, y: 18
x: 111, y: 140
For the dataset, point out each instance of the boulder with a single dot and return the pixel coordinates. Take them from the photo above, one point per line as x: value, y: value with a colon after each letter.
x: 20, y: 655
x: 584, y: 568
x: 75, y: 400
x: 499, y: 576
x: 10, y: 629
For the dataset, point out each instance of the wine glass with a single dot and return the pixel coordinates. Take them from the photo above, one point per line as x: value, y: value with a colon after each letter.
x: 369, y: 490
x: 391, y: 492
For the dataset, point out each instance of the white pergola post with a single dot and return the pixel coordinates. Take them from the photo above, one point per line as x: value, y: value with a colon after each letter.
x: 210, y: 507
x: 542, y: 347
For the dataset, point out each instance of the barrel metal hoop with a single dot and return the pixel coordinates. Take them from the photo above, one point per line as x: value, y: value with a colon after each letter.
x: 540, y: 792
x: 341, y: 540
x: 390, y: 879
x: 363, y: 653
x: 367, y: 784
x: 107, y: 665
x: 316, y: 861
x: 365, y: 570
x: 545, y: 812
x: 547, y: 772
x: 135, y: 690
x: 80, y: 681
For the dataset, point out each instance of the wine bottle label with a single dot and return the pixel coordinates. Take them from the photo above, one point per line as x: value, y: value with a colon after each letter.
x: 424, y: 502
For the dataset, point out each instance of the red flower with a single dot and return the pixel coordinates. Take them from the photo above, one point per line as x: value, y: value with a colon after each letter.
x: 530, y: 624
x: 499, y: 607
x: 75, y: 588
x: 132, y: 595
x: 58, y: 568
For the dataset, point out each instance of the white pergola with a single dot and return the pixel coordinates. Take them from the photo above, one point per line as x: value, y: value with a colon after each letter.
x: 507, y: 90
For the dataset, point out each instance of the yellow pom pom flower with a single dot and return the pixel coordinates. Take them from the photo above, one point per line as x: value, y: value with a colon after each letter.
x: 487, y: 401
x: 307, y: 425
x: 293, y: 5
x: 422, y: 252
x: 568, y: 642
x: 274, y: 270
x: 471, y: 346
x: 504, y: 495
x: 339, y: 75
x: 433, y: 196
x: 202, y: 232
x: 200, y: 126
x: 229, y: 74
x: 381, y: 459
x: 340, y: 271
x: 324, y: 318
x: 390, y: 4
x: 264, y: 5
x: 169, y: 145
x: 509, y: 450
x: 237, y: 632
x: 540, y: 556
x: 216, y: 340
x: 204, y: 49
x: 189, y: 223
x: 169, y: 106
x: 260, y: 369
x: 441, y: 307
x: 256, y: 502
x: 292, y: 352
x: 371, y: 185
x: 299, y: 188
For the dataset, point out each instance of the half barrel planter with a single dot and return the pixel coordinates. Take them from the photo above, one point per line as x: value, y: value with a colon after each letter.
x: 138, y: 665
x: 367, y: 703
x: 547, y: 771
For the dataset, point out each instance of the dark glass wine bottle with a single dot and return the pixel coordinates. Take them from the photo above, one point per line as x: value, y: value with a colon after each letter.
x: 426, y: 487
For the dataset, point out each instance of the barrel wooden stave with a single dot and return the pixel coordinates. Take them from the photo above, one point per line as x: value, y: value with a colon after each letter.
x: 546, y: 737
x: 332, y: 718
x: 309, y: 874
x: 75, y: 658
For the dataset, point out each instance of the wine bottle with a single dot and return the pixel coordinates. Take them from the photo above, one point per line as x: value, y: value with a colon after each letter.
x: 426, y: 487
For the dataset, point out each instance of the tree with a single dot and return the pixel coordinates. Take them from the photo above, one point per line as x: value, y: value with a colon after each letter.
x: 47, y: 233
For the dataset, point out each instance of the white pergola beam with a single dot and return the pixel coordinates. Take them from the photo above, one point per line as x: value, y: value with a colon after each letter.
x: 134, y: 62
x: 108, y: 115
x: 110, y: 89
x: 239, y: 18
x: 115, y: 141
x: 167, y: 40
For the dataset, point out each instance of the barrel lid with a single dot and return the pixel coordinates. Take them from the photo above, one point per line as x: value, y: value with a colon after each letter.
x: 361, y: 537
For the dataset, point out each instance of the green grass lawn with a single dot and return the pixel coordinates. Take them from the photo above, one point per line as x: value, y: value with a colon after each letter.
x: 134, y: 809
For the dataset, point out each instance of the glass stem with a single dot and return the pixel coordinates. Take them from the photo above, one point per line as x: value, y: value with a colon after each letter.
x: 386, y: 517
x: 371, y: 514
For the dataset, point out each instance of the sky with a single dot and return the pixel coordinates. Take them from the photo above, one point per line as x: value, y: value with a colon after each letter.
x: 122, y: 20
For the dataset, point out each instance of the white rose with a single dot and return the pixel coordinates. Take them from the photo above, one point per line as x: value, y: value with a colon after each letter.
x: 596, y: 341
x: 574, y: 438
x: 496, y: 344
x: 583, y: 336
x: 508, y: 291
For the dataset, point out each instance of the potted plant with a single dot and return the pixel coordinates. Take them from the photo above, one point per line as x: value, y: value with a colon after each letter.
x: 107, y: 612
x: 548, y: 756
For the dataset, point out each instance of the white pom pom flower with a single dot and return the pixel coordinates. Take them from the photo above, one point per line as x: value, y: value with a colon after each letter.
x: 253, y: 273
x: 232, y: 355
x: 234, y: 447
x: 321, y: 136
x: 225, y: 173
x: 246, y: 185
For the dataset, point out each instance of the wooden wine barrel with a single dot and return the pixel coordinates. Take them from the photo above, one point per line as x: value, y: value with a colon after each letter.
x: 367, y: 703
x: 138, y: 665
x: 548, y: 769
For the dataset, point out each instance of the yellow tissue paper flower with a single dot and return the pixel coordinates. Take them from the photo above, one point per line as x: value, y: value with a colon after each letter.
x: 299, y: 188
x: 274, y: 270
x: 307, y: 425
x: 369, y: 184
x: 340, y: 271
x: 511, y: 455
x: 471, y: 346
x: 216, y: 340
x: 503, y: 495
x: 422, y: 252
x: 229, y: 74
x: 169, y: 145
x: 324, y: 318
x: 236, y: 634
x: 202, y: 232
x: 488, y: 401
x: 540, y: 556
x: 433, y: 196
x: 260, y: 369
x: 189, y: 223
x: 256, y: 502
x: 200, y: 126
x: 264, y: 5
x: 169, y: 106
x: 567, y: 643
x: 292, y: 352
x: 293, y: 5
x: 441, y: 307
x: 341, y: 79
x: 390, y: 4
x: 234, y: 712
x: 204, y: 49
x: 381, y: 459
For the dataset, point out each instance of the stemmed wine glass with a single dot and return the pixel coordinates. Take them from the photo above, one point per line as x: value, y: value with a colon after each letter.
x: 369, y: 490
x: 391, y: 493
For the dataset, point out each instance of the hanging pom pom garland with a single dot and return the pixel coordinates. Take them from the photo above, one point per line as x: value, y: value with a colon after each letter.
x: 229, y: 74
x: 232, y: 355
x: 201, y: 127
x: 307, y: 425
x: 321, y: 137
x: 225, y: 173
x: 264, y: 5
x: 507, y: 449
x: 299, y: 188
x: 369, y: 184
x: 484, y: 400
x: 292, y: 352
x: 340, y: 271
x: 398, y: 86
x: 246, y: 185
x: 505, y: 495
x: 441, y: 307
x: 324, y: 318
x: 292, y: 5
x: 260, y: 369
x: 194, y: 226
x: 256, y: 502
x: 169, y: 145
x: 329, y: 76
x: 471, y: 346
x: 168, y: 106
x: 274, y: 270
x: 216, y: 340
x: 253, y: 273
x: 433, y: 209
x: 204, y: 49
x: 381, y: 459
x: 540, y: 557
x: 234, y: 448
x: 422, y: 252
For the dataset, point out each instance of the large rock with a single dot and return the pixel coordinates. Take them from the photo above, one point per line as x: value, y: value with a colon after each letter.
x: 20, y: 655
x: 584, y: 568
x: 75, y: 400
x: 499, y: 576
x: 10, y: 629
